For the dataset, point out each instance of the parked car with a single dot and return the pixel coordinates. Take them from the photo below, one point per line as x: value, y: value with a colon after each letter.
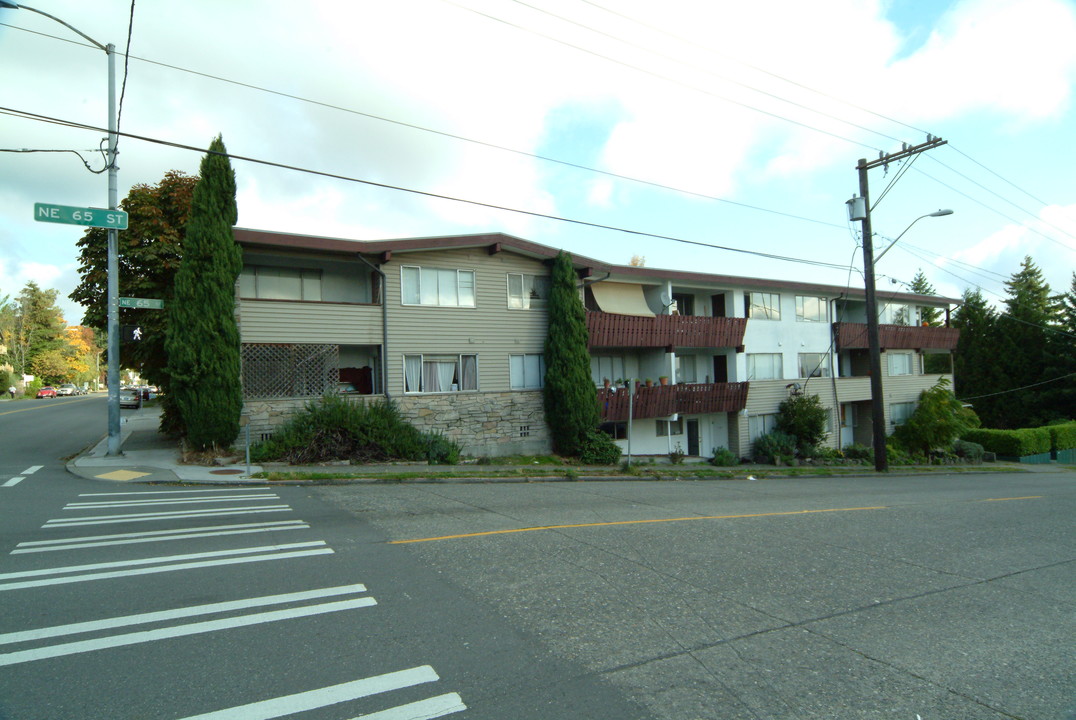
x: 67, y: 389
x: 47, y: 391
x: 129, y: 398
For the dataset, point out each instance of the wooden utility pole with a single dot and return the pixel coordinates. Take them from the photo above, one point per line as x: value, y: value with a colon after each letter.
x: 881, y: 460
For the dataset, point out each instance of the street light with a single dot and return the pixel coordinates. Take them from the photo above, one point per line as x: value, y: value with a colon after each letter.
x: 936, y: 213
x: 113, y: 239
x: 859, y: 209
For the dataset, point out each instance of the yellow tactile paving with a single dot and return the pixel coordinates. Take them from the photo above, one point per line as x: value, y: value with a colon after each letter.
x: 124, y: 475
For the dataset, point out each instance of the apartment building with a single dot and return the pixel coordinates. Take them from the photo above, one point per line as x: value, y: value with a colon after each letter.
x: 452, y: 329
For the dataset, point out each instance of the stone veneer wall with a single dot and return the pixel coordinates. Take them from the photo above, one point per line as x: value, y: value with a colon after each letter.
x: 484, y: 424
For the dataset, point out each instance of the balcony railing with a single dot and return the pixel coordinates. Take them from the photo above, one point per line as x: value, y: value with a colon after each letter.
x: 664, y: 400
x: 853, y: 336
x: 632, y: 331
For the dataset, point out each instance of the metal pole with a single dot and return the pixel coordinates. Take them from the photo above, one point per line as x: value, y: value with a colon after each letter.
x: 113, y: 269
x: 881, y: 460
x: 631, y: 396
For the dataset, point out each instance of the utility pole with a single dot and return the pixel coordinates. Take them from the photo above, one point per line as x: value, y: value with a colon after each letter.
x: 881, y: 461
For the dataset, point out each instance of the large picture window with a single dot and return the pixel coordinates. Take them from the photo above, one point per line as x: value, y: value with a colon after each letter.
x: 527, y: 291
x: 762, y: 306
x: 900, y: 363
x: 440, y: 373
x: 607, y: 366
x: 892, y: 314
x: 437, y: 286
x: 263, y: 282
x: 900, y: 412
x: 813, y: 365
x: 759, y: 425
x: 527, y: 371
x: 764, y: 366
x: 670, y: 427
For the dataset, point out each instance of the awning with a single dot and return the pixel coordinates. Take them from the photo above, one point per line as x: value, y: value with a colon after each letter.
x: 621, y: 299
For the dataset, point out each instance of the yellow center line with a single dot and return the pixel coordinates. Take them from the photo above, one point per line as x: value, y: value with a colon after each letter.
x: 1026, y: 497
x: 629, y: 522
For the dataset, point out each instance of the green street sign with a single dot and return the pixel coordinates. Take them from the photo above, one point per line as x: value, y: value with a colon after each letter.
x: 90, y: 217
x: 142, y: 303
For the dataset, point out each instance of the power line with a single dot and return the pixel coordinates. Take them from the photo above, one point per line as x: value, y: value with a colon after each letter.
x: 1025, y: 387
x: 424, y: 193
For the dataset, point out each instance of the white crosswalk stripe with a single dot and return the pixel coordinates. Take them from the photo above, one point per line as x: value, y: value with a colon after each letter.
x: 149, y: 517
x: 168, y: 501
x: 36, y: 546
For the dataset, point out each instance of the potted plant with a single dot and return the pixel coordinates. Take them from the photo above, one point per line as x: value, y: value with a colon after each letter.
x: 606, y: 383
x: 664, y: 379
x: 649, y: 382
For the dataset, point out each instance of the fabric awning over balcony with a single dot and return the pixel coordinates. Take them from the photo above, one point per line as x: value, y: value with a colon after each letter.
x: 621, y: 299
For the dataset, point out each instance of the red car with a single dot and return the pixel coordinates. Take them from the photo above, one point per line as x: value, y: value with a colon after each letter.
x: 46, y: 392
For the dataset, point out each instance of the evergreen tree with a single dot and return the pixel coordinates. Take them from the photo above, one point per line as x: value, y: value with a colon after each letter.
x: 202, y: 341
x: 31, y: 326
x: 921, y: 286
x: 571, y: 408
x: 975, y: 365
x: 1061, y: 357
x: 1021, y: 350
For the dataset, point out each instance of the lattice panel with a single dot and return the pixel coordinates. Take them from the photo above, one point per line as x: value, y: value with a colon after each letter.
x: 271, y: 371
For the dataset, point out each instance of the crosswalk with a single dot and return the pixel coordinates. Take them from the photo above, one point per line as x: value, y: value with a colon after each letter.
x: 142, y: 520
x: 16, y: 479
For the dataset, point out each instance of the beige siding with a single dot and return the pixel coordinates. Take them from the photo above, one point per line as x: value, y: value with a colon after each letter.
x: 490, y: 330
x: 279, y: 321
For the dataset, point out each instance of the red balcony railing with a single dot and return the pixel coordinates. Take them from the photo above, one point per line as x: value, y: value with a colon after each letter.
x: 609, y: 330
x: 853, y: 336
x: 664, y: 400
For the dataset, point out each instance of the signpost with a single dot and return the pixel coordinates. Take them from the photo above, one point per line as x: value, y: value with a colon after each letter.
x: 142, y: 303
x: 90, y: 217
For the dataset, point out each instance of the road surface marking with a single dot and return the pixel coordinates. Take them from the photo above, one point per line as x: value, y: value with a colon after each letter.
x: 165, y: 501
x: 32, y: 469
x: 630, y: 522
x: 158, y: 560
x: 175, y: 614
x: 123, y: 475
x: 434, y: 707
x: 160, y: 568
x: 13, y: 481
x: 1026, y: 497
x: 156, y: 536
x: 175, y: 492
x: 312, y: 699
x: 72, y: 648
x: 178, y: 514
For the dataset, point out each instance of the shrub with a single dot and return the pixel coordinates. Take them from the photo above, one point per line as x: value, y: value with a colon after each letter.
x: 440, y: 450
x: 856, y: 451
x: 1062, y: 436
x: 598, y: 448
x: 1011, y: 443
x: 723, y: 457
x: 970, y: 451
x: 774, y: 445
x: 677, y: 456
x: 804, y: 418
x: 820, y: 452
x: 32, y: 387
x: 938, y: 420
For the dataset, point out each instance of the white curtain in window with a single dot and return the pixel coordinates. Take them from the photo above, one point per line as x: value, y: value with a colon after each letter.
x: 411, y: 295
x: 413, y: 373
x: 469, y: 374
x: 446, y: 373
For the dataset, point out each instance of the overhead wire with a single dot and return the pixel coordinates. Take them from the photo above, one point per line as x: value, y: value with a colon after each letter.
x: 284, y: 166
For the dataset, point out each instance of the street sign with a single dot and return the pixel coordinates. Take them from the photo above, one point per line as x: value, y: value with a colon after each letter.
x: 91, y: 217
x: 143, y: 303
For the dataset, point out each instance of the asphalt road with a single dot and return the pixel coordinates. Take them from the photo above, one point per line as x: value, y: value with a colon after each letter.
x: 940, y: 597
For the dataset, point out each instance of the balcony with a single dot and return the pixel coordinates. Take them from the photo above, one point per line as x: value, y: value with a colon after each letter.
x: 665, y: 400
x: 853, y: 336
x: 668, y: 331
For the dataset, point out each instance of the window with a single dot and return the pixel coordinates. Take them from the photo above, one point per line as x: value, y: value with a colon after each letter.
x: 759, y: 425
x: 900, y: 363
x: 762, y: 306
x: 891, y: 314
x: 670, y: 427
x: 813, y: 365
x: 440, y: 373
x: 279, y: 283
x: 437, y: 286
x: 683, y: 304
x: 527, y: 291
x: 527, y: 371
x: 900, y: 412
x: 810, y: 308
x: 615, y: 430
x: 686, y: 369
x: 606, y: 366
x: 764, y: 366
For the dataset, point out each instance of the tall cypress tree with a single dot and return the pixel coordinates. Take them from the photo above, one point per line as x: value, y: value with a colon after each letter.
x: 1023, y: 331
x: 1061, y: 353
x: 975, y: 365
x: 203, y: 340
x: 571, y: 407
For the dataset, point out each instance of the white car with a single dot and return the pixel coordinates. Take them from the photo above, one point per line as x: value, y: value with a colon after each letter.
x: 129, y: 398
x: 67, y: 389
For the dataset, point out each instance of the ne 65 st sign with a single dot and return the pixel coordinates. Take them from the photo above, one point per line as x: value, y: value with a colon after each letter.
x: 90, y: 217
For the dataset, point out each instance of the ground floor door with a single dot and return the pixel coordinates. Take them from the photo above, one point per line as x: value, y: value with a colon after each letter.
x: 693, y: 437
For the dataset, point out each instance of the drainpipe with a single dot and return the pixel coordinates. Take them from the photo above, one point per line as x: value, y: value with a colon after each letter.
x: 384, y: 326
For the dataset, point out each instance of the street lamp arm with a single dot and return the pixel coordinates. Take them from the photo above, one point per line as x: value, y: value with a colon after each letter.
x: 16, y: 6
x: 937, y: 213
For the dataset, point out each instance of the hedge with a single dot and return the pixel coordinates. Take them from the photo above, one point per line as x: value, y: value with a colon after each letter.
x: 1011, y: 443
x: 1062, y: 437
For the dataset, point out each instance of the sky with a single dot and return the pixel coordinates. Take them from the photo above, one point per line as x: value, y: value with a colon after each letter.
x: 693, y: 134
